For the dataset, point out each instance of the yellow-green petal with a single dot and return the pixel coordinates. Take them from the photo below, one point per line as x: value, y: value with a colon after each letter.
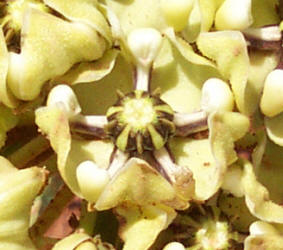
x: 136, y: 182
x: 140, y: 226
x: 50, y: 47
x: 85, y: 11
x: 229, y: 50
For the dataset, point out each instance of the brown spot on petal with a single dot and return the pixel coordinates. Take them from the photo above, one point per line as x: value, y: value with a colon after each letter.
x: 206, y: 164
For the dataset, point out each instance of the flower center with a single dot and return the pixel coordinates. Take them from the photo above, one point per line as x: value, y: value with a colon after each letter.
x: 213, y: 235
x: 138, y: 113
x: 140, y: 121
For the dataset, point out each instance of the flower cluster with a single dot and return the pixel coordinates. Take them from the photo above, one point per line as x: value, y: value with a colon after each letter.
x: 162, y: 118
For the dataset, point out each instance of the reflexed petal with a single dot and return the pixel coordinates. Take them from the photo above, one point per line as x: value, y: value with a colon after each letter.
x: 49, y: 48
x: 238, y: 124
x: 264, y: 236
x: 92, y: 71
x: 18, y: 187
x: 232, y: 182
x: 6, y: 96
x: 207, y: 158
x: 229, y: 50
x: 261, y: 63
x: 136, y: 182
x: 53, y: 121
x: 179, y: 80
x: 186, y: 49
x: 72, y: 241
x: 200, y: 20
x: 138, y: 14
x: 82, y: 241
x: 140, y: 226
x: 274, y: 128
x: 197, y: 156
x: 96, y: 151
x: 257, y: 198
x: 83, y: 11
x: 270, y: 171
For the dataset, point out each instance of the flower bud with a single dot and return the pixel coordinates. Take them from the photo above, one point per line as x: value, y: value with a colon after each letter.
x: 176, y: 12
x: 261, y: 227
x: 87, y: 245
x: 174, y: 246
x: 271, y: 102
x: 144, y: 45
x: 92, y: 180
x: 63, y: 95
x: 82, y: 241
x: 234, y: 15
x: 216, y: 96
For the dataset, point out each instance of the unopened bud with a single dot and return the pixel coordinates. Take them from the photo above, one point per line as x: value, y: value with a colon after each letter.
x: 261, y: 227
x: 271, y: 102
x: 63, y: 95
x: 144, y: 45
x: 92, y: 180
x: 234, y: 15
x: 174, y: 246
x: 216, y: 96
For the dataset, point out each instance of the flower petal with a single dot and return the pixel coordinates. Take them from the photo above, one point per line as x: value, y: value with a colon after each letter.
x: 53, y: 121
x: 18, y: 187
x: 92, y: 71
x: 137, y: 182
x: 50, y: 46
x: 257, y: 197
x: 6, y: 96
x: 186, y: 49
x: 138, y: 14
x: 274, y: 128
x: 140, y: 226
x: 179, y: 80
x: 82, y: 11
x: 229, y: 50
x: 264, y: 236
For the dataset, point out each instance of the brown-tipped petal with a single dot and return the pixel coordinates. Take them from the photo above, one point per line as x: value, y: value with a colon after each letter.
x: 180, y: 177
